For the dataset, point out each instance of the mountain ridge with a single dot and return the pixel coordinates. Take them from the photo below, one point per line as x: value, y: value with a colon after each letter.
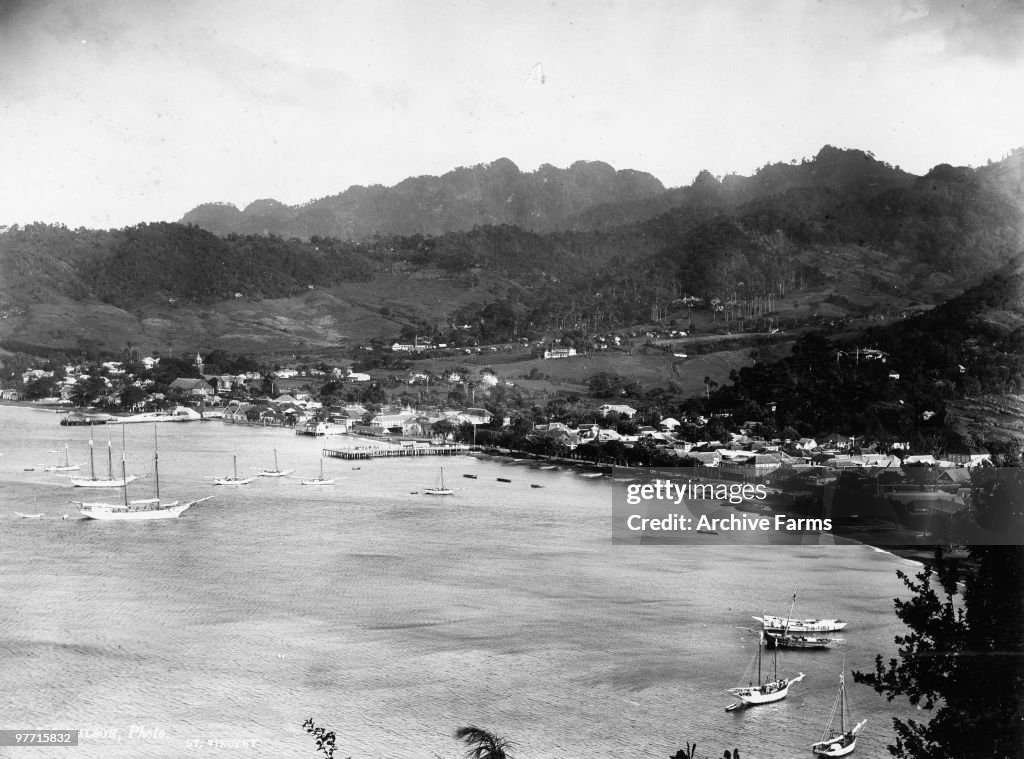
x: 494, y: 193
x: 866, y: 237
x: 585, y: 196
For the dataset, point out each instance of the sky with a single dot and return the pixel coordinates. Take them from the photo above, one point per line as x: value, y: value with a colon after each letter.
x: 118, y: 112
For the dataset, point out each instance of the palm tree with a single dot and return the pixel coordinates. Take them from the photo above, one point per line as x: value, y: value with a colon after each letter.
x: 483, y: 744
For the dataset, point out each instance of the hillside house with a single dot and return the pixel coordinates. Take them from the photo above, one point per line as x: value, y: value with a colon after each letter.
x: 559, y: 352
x: 706, y: 458
x: 222, y: 383
x: 622, y: 410
x: 968, y: 456
x: 475, y: 416
x: 237, y: 412
x: 753, y: 465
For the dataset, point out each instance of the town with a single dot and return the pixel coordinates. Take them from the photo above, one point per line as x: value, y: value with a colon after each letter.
x: 921, y: 496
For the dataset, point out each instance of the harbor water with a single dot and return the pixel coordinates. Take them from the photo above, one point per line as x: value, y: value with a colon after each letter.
x: 393, y: 617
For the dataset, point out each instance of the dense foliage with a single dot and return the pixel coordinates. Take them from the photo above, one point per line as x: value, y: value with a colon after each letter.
x: 969, y: 345
x: 965, y: 661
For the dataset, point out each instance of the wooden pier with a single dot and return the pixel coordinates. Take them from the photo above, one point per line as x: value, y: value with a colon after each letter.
x: 360, y: 453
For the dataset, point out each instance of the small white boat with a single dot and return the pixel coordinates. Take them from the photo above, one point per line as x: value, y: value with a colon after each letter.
x: 591, y: 475
x: 843, y: 741
x: 790, y: 625
x: 66, y: 466
x: 439, y: 488
x: 276, y: 471
x: 234, y: 479
x: 778, y: 624
x: 789, y: 639
x: 28, y: 516
x: 767, y: 691
x: 319, y: 480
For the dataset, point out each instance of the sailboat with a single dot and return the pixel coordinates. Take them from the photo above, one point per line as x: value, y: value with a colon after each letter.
x: 841, y: 742
x: 147, y: 508
x: 234, y: 479
x: 67, y: 466
x: 787, y: 639
x: 765, y: 692
x: 781, y: 624
x: 439, y: 488
x: 110, y: 481
x: 319, y: 480
x: 275, y: 472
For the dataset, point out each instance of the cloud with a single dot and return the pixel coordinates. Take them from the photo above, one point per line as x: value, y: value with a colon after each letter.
x: 983, y: 28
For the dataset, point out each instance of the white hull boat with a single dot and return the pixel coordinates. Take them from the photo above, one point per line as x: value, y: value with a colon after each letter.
x: 67, y: 466
x: 140, y: 509
x: 275, y: 472
x: 767, y: 691
x: 789, y: 624
x: 319, y: 480
x: 843, y: 741
x: 781, y: 624
x: 439, y: 488
x: 234, y: 480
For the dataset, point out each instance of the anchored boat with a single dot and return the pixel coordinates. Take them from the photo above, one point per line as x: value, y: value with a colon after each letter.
x: 439, y: 488
x: 144, y: 509
x: 843, y: 741
x: 767, y: 690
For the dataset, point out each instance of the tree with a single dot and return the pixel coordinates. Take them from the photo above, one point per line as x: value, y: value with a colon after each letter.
x: 691, y: 753
x: 87, y: 390
x: 41, y: 387
x: 324, y: 738
x: 483, y: 744
x: 443, y: 427
x: 968, y: 661
x: 131, y: 396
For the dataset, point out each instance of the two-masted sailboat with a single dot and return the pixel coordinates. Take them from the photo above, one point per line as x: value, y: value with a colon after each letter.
x: 767, y: 690
x: 773, y: 624
x: 110, y: 481
x: 148, y: 508
x: 842, y: 741
x: 789, y: 639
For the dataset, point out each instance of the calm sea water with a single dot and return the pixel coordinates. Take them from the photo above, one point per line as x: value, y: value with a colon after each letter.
x: 395, y: 618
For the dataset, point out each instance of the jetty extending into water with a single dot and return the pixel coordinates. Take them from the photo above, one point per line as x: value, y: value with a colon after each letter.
x: 358, y: 453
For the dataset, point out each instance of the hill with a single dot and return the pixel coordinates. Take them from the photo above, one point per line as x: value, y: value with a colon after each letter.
x: 921, y: 380
x: 820, y: 242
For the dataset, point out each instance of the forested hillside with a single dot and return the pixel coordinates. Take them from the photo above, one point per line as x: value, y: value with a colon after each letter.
x: 866, y: 236
x: 966, y: 347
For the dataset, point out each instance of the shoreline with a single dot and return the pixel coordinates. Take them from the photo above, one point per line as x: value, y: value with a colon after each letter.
x: 922, y: 555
